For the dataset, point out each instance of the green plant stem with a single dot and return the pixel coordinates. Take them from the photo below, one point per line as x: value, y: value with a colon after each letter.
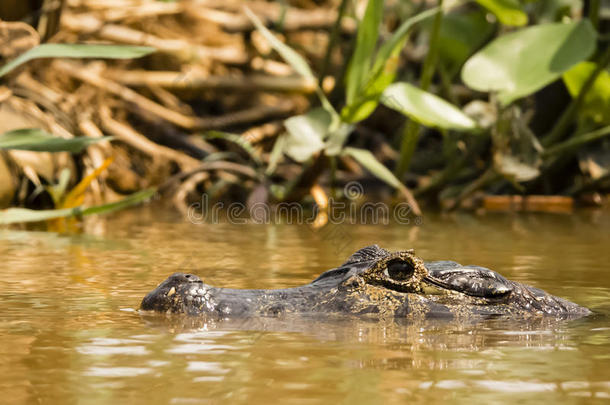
x: 568, y: 115
x: 332, y: 160
x: 432, y: 57
x: 594, y: 6
x: 279, y: 24
x: 446, y: 84
x: 410, y: 137
x: 410, y: 134
x: 332, y: 41
x: 574, y: 143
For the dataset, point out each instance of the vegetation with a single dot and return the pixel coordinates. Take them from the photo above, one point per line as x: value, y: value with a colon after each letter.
x: 441, y: 103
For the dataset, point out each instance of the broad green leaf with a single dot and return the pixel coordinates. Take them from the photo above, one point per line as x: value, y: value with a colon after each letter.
x: 366, y: 41
x: 306, y: 134
x: 288, y: 54
x: 426, y: 108
x: 370, y: 162
x: 37, y: 140
x: 509, y: 12
x: 383, y: 71
x: 77, y: 51
x: 16, y: 215
x: 236, y: 139
x: 596, y: 104
x: 517, y: 64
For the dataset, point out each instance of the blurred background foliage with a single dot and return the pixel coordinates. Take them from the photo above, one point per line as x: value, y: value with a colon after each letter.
x: 450, y: 103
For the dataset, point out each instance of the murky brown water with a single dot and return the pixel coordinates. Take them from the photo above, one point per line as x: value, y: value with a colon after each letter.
x: 69, y: 332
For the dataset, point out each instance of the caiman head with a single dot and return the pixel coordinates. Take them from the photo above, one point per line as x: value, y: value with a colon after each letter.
x: 401, y: 284
x: 372, y: 282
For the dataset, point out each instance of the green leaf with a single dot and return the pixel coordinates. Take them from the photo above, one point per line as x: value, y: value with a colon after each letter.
x: 426, y: 108
x: 236, y: 139
x: 383, y: 71
x: 509, y: 12
x: 37, y: 140
x: 77, y: 51
x: 16, y: 215
x: 517, y: 64
x: 370, y: 162
x: 360, y: 63
x: 288, y: 54
x: 596, y: 103
x: 306, y: 134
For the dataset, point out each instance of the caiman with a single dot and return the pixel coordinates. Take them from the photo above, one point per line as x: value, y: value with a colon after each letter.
x: 373, y: 282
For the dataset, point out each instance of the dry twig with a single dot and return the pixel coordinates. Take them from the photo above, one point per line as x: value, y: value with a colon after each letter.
x: 195, y: 80
x: 130, y: 136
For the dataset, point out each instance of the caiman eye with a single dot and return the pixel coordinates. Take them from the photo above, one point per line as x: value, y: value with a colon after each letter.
x: 399, y: 270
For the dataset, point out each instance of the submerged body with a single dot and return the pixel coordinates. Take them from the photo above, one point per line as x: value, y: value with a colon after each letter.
x: 372, y: 282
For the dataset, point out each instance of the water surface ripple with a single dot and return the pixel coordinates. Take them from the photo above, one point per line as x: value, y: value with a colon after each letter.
x: 70, y: 332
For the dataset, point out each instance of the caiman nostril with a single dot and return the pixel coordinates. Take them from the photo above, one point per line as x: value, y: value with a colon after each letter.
x: 191, y: 278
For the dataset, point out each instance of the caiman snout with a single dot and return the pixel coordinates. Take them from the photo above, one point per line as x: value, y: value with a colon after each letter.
x: 175, y: 292
x: 470, y: 280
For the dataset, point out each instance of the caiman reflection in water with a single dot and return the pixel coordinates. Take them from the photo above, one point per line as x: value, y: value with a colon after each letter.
x: 373, y: 282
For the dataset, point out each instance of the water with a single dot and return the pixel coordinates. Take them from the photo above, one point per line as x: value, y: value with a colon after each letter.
x: 70, y: 332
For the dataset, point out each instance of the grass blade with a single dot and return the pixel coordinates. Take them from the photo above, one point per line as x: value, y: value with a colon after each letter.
x: 295, y: 60
x: 370, y: 162
x: 77, y: 51
x: 383, y: 71
x: 366, y: 40
x: 37, y: 140
x: 133, y: 199
x: 19, y: 215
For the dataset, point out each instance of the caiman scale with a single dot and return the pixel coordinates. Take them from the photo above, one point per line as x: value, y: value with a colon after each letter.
x: 373, y: 282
